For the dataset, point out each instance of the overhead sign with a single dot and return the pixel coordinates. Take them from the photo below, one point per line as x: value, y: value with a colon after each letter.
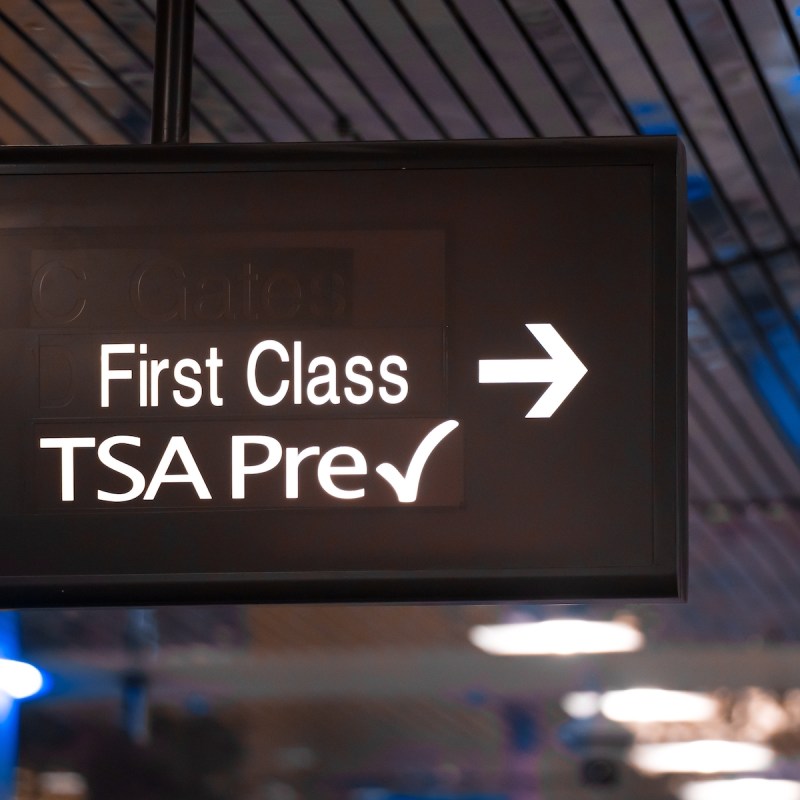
x: 445, y: 371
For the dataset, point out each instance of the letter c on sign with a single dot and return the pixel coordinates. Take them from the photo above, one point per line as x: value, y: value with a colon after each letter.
x: 51, y: 299
x: 252, y: 362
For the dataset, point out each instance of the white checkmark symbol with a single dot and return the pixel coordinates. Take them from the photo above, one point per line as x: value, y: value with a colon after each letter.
x: 406, y: 486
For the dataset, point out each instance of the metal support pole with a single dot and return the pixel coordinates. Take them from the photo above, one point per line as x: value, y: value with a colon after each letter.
x: 172, y: 76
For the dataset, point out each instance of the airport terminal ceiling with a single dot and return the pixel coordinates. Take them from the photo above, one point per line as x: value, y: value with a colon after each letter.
x: 366, y: 702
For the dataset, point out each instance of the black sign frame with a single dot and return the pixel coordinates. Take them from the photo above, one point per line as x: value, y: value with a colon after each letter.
x: 664, y: 577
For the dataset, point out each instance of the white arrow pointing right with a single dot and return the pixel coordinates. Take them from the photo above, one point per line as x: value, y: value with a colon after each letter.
x: 563, y: 370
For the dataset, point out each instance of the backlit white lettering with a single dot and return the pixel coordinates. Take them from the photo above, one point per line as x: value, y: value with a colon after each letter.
x: 326, y: 381
x: 183, y: 366
x: 213, y: 363
x: 136, y: 478
x: 397, y: 380
x: 67, y: 445
x: 327, y: 469
x: 365, y: 382
x: 107, y: 374
x: 406, y: 486
x: 143, y: 376
x: 302, y: 472
x: 177, y: 447
x: 156, y: 368
x: 297, y: 372
x: 321, y: 382
x: 152, y: 372
x: 238, y: 467
x: 166, y: 459
x: 294, y: 458
x: 252, y: 365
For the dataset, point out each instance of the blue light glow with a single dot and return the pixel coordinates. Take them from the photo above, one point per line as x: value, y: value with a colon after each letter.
x: 667, y: 128
x: 792, y: 84
x: 698, y: 187
x: 777, y: 396
x: 654, y: 118
x: 19, y: 680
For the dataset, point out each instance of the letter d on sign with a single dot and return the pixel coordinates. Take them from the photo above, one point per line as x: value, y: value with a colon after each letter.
x: 56, y: 376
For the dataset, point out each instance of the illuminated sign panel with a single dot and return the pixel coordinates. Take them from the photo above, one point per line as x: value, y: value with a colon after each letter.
x: 423, y: 372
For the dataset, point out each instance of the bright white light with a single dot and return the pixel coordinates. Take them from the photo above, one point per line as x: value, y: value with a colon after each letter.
x: 703, y: 757
x: 581, y: 705
x: 642, y: 705
x: 657, y: 705
x: 741, y: 789
x: 18, y: 679
x: 556, y: 637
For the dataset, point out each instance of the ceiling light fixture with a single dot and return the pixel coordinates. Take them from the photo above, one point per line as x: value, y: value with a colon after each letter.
x: 581, y: 705
x: 704, y: 757
x: 741, y: 789
x: 556, y: 637
x: 642, y: 705
x: 658, y: 705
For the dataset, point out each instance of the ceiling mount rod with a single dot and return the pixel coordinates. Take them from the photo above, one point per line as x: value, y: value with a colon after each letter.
x: 172, y: 74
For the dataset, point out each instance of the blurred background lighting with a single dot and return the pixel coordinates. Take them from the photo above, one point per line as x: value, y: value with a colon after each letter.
x: 556, y: 637
x: 657, y: 705
x: 18, y: 679
x: 581, y: 705
x: 642, y: 705
x: 741, y: 789
x: 62, y: 784
x: 703, y: 757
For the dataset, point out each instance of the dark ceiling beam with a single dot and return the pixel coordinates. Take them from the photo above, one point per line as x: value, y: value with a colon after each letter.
x: 172, y: 73
x: 219, y: 86
x: 147, y: 62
